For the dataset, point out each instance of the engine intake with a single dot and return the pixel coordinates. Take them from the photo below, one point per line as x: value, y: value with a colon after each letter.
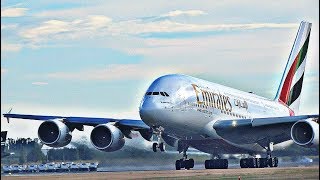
x: 54, y: 133
x: 107, y: 137
x: 305, y: 133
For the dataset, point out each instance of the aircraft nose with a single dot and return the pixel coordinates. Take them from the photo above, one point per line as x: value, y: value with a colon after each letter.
x: 148, y: 111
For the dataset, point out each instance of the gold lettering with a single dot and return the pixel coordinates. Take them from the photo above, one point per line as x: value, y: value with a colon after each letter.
x: 230, y: 109
x: 197, y: 93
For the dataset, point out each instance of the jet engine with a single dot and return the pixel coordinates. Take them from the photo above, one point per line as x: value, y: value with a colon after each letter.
x: 107, y: 137
x: 305, y: 133
x: 54, y: 133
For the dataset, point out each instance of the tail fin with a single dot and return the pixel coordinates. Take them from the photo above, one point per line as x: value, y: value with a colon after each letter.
x: 289, y: 90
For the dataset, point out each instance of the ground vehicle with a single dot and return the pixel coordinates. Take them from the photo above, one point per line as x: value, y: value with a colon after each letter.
x: 84, y: 167
x: 32, y: 168
x: 6, y: 168
x: 42, y: 167
x: 15, y: 168
x: 64, y: 167
x: 93, y: 166
x: 51, y: 167
x: 74, y: 167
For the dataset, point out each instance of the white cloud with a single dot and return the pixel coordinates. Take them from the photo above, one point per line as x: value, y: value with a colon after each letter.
x: 13, y: 12
x: 57, y: 29
x: 4, y: 70
x: 39, y: 83
x: 115, y: 72
x: 187, y: 13
x: 103, y: 26
x: 7, y: 47
x: 8, y: 26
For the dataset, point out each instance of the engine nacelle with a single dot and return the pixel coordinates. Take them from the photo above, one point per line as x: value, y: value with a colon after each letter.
x: 54, y: 133
x: 107, y: 137
x: 305, y: 133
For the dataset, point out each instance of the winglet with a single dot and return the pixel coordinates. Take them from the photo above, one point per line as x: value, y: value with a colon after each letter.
x: 9, y: 113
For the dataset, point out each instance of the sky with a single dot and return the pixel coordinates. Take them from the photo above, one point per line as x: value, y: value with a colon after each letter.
x: 97, y: 58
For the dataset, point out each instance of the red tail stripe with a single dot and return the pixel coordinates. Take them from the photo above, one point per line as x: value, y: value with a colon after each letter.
x: 284, y: 96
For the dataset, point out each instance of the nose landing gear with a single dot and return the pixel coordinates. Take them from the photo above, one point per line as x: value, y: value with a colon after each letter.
x: 161, y: 146
x: 160, y: 143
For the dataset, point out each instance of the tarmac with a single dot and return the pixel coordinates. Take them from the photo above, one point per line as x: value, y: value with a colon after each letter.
x: 307, y: 172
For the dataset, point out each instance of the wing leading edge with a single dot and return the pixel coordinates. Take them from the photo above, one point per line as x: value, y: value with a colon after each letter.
x: 89, y: 121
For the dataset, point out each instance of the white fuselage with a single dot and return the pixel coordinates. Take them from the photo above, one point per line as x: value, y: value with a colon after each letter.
x: 194, y: 105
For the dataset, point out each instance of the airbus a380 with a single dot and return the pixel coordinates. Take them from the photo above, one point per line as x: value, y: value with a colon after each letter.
x: 185, y: 111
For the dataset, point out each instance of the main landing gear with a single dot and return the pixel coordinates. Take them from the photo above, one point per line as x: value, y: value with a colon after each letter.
x: 216, y: 163
x: 260, y: 162
x: 184, y: 162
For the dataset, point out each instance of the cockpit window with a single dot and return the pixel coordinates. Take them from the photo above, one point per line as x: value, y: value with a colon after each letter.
x: 157, y: 93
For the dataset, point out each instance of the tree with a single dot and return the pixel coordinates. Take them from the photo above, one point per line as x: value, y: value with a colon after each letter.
x: 35, y: 154
x: 22, y: 157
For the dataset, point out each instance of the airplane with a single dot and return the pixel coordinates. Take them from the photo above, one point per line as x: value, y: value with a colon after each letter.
x: 184, y: 111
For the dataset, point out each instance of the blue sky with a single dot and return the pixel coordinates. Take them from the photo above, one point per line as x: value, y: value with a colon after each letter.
x: 97, y: 58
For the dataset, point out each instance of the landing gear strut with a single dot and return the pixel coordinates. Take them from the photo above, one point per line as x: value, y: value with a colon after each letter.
x: 260, y: 162
x: 160, y: 143
x: 216, y: 163
x: 184, y: 162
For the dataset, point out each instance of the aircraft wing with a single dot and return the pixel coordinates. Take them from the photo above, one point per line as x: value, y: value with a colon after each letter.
x: 260, y: 130
x: 90, y: 121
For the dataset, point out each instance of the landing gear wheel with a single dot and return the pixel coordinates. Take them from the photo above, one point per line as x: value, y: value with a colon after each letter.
x: 191, y: 161
x: 178, y: 164
x: 272, y: 162
x: 154, y: 147
x: 216, y: 164
x: 276, y: 160
x: 257, y: 162
x: 162, y: 147
x: 187, y: 164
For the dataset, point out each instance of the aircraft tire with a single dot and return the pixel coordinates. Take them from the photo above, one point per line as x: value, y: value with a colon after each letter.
x: 191, y: 163
x: 206, y: 164
x: 178, y: 164
x: 276, y: 162
x: 257, y: 162
x: 272, y: 162
x: 154, y: 147
x: 162, y: 147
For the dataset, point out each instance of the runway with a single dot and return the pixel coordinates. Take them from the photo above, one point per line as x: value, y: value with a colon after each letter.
x: 310, y: 172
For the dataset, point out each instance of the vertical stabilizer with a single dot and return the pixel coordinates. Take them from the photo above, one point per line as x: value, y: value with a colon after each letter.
x: 289, y: 90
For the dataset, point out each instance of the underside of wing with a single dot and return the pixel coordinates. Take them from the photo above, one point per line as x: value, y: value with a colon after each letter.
x: 301, y: 129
